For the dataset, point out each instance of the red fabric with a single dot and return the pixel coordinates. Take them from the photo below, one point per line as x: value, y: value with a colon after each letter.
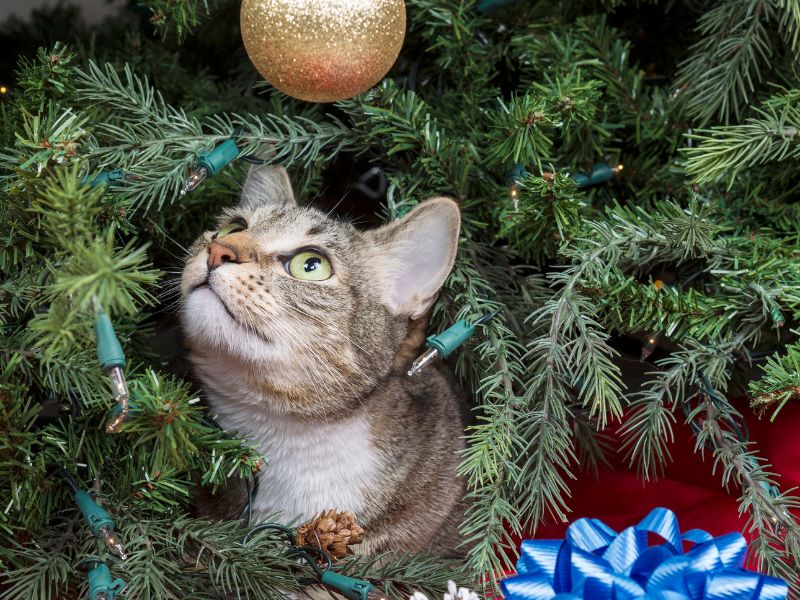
x: 689, y: 488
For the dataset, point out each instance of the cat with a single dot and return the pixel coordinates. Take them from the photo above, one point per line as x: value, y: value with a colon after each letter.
x: 301, y: 329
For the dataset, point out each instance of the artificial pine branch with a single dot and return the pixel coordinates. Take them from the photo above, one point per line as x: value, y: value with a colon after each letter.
x: 771, y: 134
x: 182, y: 16
x: 719, y: 78
x: 769, y: 513
x: 547, y: 88
x: 780, y: 383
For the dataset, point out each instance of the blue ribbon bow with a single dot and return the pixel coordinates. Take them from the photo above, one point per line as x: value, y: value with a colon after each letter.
x: 595, y: 562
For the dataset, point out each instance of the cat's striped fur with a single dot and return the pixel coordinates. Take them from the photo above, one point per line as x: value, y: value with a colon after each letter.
x: 313, y: 372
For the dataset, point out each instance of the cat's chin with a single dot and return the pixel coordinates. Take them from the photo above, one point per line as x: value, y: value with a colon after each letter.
x: 208, y: 322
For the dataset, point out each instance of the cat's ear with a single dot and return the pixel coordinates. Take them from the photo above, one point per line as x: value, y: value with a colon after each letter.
x: 412, y: 257
x: 267, y: 185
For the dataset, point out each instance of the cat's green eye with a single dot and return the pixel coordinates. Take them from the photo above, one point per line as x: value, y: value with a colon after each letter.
x: 230, y: 228
x: 309, y: 265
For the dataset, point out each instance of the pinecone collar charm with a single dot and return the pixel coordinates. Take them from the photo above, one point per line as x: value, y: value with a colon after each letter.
x: 332, y: 531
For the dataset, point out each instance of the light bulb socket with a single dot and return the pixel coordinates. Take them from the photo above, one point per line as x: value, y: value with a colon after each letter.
x: 445, y: 343
x: 109, y: 178
x: 101, y: 586
x: 350, y: 587
x: 109, y: 350
x: 95, y: 515
x: 601, y: 173
x: 451, y: 338
x: 777, y: 317
x: 218, y: 158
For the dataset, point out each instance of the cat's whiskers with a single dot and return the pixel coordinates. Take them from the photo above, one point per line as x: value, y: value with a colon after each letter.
x: 165, y: 295
x: 173, y: 306
x: 374, y: 383
x: 170, y: 294
x: 327, y: 325
x: 294, y: 342
x: 333, y: 328
x: 169, y: 287
x: 171, y: 280
x: 321, y: 362
x: 248, y: 327
x: 335, y: 206
x: 167, y: 236
x: 334, y: 376
x: 317, y: 388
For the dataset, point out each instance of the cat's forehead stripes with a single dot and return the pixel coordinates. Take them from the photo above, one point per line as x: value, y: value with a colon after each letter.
x: 315, y: 230
x: 280, y: 230
x: 315, y: 221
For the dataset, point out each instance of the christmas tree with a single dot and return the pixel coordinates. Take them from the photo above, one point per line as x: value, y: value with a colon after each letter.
x: 624, y: 172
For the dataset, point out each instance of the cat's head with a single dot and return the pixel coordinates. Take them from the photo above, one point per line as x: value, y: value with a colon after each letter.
x: 295, y: 309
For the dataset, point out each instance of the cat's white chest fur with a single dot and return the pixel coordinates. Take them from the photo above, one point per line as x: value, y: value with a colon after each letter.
x: 311, y: 466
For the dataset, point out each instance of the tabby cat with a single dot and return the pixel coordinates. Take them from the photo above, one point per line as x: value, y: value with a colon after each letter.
x: 301, y: 329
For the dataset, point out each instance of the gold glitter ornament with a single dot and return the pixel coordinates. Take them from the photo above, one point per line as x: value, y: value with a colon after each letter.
x: 323, y: 50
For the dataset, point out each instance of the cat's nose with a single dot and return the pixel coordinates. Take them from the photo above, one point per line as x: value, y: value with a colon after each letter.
x: 218, y: 254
